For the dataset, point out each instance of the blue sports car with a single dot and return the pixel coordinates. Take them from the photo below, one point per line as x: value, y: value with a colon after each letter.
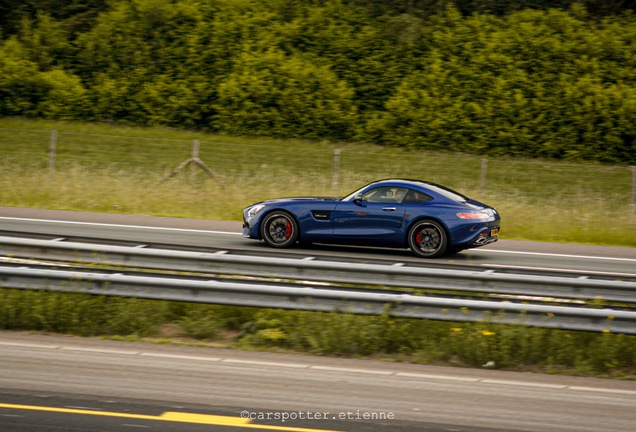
x: 428, y: 218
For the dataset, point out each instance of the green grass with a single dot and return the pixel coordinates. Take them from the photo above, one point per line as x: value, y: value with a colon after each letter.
x: 321, y: 333
x: 107, y: 168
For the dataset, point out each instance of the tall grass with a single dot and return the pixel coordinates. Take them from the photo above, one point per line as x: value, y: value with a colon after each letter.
x: 324, y: 333
x: 106, y: 168
x: 102, y: 168
x: 576, y: 218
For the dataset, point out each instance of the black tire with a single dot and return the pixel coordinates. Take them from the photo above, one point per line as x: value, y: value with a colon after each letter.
x: 428, y: 239
x: 279, y: 229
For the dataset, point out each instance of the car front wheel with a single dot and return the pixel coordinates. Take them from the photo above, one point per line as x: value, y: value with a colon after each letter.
x: 428, y: 239
x: 279, y: 229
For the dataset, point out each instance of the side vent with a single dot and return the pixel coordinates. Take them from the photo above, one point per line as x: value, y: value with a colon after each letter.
x: 321, y: 214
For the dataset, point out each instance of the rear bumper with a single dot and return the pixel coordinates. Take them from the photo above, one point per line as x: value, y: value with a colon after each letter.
x: 484, y: 240
x: 486, y: 235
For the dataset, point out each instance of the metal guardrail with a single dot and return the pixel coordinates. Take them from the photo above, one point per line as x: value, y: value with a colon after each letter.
x: 319, y: 299
x: 487, y: 281
x: 261, y: 294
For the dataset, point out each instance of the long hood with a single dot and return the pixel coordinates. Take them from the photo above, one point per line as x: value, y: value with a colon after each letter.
x: 299, y: 199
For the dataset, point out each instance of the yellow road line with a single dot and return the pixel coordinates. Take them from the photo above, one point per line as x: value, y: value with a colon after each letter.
x: 179, y: 417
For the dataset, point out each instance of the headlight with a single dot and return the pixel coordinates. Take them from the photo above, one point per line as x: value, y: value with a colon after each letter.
x: 478, y: 216
x: 253, y: 211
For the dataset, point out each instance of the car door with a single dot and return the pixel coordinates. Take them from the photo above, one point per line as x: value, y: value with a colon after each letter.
x: 378, y: 213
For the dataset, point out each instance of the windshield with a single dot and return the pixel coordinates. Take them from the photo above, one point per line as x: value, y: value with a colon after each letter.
x: 433, y: 187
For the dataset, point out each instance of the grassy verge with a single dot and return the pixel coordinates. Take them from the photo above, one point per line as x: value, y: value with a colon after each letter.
x: 110, y: 169
x: 113, y: 169
x: 337, y: 334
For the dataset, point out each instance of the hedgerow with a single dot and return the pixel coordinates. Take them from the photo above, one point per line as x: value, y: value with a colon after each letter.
x: 465, y: 76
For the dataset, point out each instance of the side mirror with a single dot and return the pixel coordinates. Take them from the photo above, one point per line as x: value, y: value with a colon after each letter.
x: 358, y: 199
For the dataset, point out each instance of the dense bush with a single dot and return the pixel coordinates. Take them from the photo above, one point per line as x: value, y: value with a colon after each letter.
x: 535, y: 84
x: 481, y: 77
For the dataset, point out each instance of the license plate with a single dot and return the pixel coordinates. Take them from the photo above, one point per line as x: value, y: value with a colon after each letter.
x: 494, y: 232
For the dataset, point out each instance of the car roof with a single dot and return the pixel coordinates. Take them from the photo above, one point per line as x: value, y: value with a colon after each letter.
x: 430, y: 186
x: 411, y: 182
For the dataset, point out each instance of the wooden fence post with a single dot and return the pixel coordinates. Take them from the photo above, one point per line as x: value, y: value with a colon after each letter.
x: 633, y: 194
x: 52, y: 151
x: 194, y: 161
x: 196, y: 146
x: 336, y: 170
x: 482, y: 174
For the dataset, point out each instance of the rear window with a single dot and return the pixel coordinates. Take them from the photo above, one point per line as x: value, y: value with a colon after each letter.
x: 416, y: 197
x: 446, y: 192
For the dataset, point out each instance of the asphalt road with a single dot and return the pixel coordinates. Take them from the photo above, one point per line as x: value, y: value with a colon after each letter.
x: 505, y: 254
x: 59, y: 383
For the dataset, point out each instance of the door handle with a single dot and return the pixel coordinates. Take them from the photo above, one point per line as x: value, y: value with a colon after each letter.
x: 389, y: 209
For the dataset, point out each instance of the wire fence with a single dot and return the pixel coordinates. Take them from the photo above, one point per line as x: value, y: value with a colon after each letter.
x: 333, y: 166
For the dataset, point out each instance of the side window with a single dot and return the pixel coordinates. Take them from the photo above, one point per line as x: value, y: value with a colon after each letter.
x: 385, y: 195
x: 416, y: 197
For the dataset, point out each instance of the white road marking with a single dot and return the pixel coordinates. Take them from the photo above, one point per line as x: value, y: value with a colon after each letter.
x: 120, y: 226
x: 561, y: 270
x: 180, y: 357
x: 421, y: 376
x: 603, y: 390
x: 30, y: 345
x: 352, y: 370
x: 495, y: 251
x: 440, y: 377
x: 83, y: 408
x: 265, y: 363
x: 100, y: 350
x: 524, y: 383
x: 552, y: 255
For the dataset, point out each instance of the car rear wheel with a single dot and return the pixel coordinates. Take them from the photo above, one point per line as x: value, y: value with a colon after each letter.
x: 279, y: 229
x: 428, y: 239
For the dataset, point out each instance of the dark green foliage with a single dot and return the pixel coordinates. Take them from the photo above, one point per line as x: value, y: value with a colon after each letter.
x: 200, y: 322
x: 554, y: 79
x: 534, y: 84
x: 284, y: 96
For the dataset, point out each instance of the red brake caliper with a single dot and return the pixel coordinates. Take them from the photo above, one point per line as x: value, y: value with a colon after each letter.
x: 288, y: 229
x: 418, y: 238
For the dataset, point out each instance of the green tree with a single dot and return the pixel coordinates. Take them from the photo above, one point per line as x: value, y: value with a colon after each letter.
x: 27, y: 90
x: 534, y: 84
x: 137, y: 63
x: 45, y: 42
x: 273, y: 94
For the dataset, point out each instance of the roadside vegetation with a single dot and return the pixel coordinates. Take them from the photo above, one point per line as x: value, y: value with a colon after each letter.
x: 118, y: 169
x: 539, y: 201
x: 536, y: 78
x: 528, y: 349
